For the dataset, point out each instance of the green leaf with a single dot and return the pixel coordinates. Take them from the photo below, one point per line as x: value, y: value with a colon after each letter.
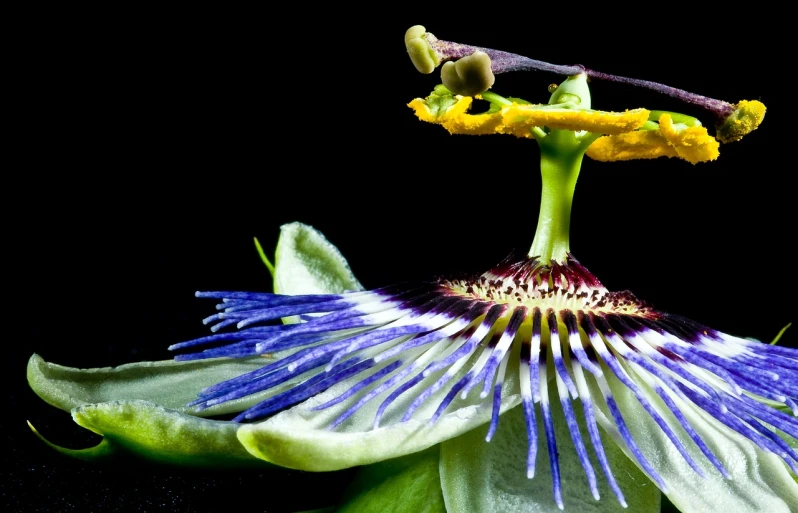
x: 154, y: 433
x: 410, y: 484
x: 306, y: 263
x: 168, y: 383
x: 481, y: 477
x: 759, y: 480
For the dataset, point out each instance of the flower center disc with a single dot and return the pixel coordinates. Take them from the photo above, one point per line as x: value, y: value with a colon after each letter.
x: 530, y: 283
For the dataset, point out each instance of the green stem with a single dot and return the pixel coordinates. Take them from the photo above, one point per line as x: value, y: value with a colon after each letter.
x: 561, y: 154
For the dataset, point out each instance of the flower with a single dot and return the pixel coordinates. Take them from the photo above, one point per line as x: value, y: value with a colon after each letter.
x: 356, y: 377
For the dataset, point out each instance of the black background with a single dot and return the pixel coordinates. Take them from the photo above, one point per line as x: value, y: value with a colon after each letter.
x: 154, y: 145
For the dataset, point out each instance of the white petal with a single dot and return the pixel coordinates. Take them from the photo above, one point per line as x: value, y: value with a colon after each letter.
x: 299, y: 438
x: 479, y: 477
x: 760, y: 480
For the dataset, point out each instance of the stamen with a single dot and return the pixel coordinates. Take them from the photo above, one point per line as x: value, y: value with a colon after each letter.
x: 503, y: 62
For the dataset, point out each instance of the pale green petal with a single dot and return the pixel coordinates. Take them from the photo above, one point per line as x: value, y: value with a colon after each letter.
x: 168, y: 383
x: 403, y: 485
x: 155, y: 433
x: 760, y: 480
x: 306, y: 263
x: 481, y: 477
x: 300, y: 438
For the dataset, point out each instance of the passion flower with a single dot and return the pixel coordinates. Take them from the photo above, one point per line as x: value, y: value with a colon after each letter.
x: 353, y: 377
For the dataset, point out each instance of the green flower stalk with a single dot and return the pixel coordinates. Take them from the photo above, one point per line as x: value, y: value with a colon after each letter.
x: 604, y: 401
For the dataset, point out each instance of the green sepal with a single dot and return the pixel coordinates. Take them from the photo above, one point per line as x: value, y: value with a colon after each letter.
x: 480, y: 477
x: 410, y: 484
x: 305, y: 262
x: 151, y: 432
x: 168, y: 383
x: 103, y: 451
